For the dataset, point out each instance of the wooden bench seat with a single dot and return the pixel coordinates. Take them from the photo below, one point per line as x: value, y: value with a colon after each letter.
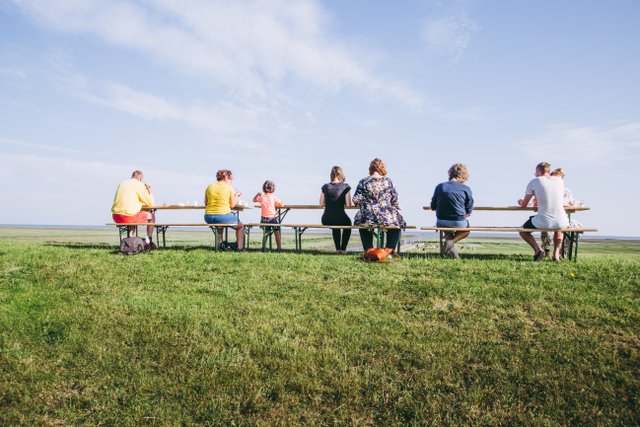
x: 571, y: 234
x: 299, y: 229
x: 123, y: 229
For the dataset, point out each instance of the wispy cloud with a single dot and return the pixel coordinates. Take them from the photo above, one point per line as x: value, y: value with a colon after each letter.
x: 252, y: 46
x: 449, y: 35
x: 224, y: 119
x: 586, y: 145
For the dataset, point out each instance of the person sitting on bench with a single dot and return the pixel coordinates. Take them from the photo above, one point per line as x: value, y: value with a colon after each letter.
x: 219, y: 198
x: 549, y: 192
x: 130, y: 196
x: 334, y: 197
x: 377, y: 198
x: 453, y: 203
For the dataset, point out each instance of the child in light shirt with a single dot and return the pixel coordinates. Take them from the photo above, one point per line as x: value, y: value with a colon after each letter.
x: 269, y: 202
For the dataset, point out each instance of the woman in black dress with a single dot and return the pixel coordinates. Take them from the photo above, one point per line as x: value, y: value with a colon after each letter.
x: 334, y: 198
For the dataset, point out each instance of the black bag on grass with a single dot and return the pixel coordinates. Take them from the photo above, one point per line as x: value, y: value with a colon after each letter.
x: 131, y: 246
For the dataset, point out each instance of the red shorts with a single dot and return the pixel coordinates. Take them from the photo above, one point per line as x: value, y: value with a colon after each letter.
x: 125, y: 219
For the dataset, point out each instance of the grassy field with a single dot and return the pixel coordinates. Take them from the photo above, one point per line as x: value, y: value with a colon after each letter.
x: 189, y: 336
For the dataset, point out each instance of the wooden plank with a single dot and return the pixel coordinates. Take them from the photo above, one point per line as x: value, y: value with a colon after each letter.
x: 187, y: 207
x: 511, y: 229
x: 518, y: 208
x: 157, y: 224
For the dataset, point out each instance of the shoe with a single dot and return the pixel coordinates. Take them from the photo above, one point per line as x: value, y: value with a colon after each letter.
x: 453, y: 253
x: 448, y: 247
x: 148, y: 247
x: 539, y: 256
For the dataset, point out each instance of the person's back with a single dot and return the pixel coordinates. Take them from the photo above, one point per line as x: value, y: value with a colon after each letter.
x: 549, y: 193
x: 269, y: 203
x: 130, y: 196
x: 452, y: 201
x: 218, y: 196
x: 335, y: 196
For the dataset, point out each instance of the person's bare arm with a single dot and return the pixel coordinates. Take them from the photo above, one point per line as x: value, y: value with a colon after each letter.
x: 255, y: 198
x: 348, y: 202
x: 525, y: 201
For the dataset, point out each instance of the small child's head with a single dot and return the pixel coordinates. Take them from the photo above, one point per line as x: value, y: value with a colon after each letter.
x: 269, y: 186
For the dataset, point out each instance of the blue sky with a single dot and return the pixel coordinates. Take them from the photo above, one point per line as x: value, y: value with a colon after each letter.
x: 283, y: 90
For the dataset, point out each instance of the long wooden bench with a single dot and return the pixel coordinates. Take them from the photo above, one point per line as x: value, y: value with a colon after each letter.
x: 299, y: 229
x: 123, y: 229
x: 571, y: 235
x: 379, y: 232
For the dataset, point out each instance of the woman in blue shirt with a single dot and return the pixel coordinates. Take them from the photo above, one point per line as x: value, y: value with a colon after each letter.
x: 453, y: 203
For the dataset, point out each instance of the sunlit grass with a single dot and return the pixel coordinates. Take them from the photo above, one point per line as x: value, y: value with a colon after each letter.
x: 187, y: 336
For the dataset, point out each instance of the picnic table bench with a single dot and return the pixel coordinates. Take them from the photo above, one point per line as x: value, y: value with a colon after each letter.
x: 299, y: 229
x: 571, y: 234
x: 123, y: 229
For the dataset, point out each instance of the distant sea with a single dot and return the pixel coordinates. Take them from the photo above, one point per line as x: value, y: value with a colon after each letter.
x: 588, y: 236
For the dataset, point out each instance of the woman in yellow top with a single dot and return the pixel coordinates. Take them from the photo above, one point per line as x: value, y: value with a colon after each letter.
x: 219, y: 198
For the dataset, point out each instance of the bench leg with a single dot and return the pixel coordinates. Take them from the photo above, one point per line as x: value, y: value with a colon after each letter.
x: 162, y: 229
x: 215, y: 238
x: 247, y: 236
x: 298, y: 236
x: 575, y: 254
x: 442, y: 242
x: 123, y: 230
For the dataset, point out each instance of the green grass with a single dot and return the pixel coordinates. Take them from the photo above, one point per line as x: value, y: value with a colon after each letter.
x: 189, y: 336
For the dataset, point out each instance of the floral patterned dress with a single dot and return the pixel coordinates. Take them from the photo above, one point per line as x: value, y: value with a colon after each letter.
x: 378, y: 202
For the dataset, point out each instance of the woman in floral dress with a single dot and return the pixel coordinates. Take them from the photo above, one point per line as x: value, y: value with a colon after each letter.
x: 377, y: 199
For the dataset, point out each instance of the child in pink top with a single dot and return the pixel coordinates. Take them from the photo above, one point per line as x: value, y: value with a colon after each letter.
x: 269, y: 202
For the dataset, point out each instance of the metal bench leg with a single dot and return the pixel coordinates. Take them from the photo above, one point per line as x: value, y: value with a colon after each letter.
x: 568, y: 236
x: 298, y: 235
x: 575, y: 254
x: 215, y: 238
x: 123, y: 230
x: 162, y: 229
x: 399, y: 240
x: 442, y: 242
x: 247, y: 236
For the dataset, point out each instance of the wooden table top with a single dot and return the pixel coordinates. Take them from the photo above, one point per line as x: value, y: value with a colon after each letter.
x: 518, y: 208
x: 184, y: 206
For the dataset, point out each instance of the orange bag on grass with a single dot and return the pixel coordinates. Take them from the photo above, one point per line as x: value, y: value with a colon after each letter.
x: 376, y: 254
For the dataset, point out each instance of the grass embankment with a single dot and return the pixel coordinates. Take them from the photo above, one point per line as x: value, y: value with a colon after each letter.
x: 190, y: 336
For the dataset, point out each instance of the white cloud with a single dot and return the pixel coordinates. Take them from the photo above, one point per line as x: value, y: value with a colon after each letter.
x: 449, y: 35
x: 249, y: 45
x: 586, y: 145
x: 225, y: 119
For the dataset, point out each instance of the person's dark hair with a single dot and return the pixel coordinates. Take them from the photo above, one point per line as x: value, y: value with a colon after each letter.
x: 223, y: 173
x: 377, y: 165
x: 337, y: 174
x: 136, y: 173
x: 268, y: 186
x: 459, y: 172
x: 543, y: 167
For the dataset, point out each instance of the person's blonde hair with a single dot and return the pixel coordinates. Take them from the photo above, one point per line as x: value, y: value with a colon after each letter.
x: 543, y: 167
x: 459, y: 172
x: 223, y: 173
x: 558, y: 172
x: 377, y: 165
x: 337, y: 174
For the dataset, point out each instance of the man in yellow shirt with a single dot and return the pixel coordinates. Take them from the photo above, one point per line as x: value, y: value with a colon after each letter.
x: 130, y: 196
